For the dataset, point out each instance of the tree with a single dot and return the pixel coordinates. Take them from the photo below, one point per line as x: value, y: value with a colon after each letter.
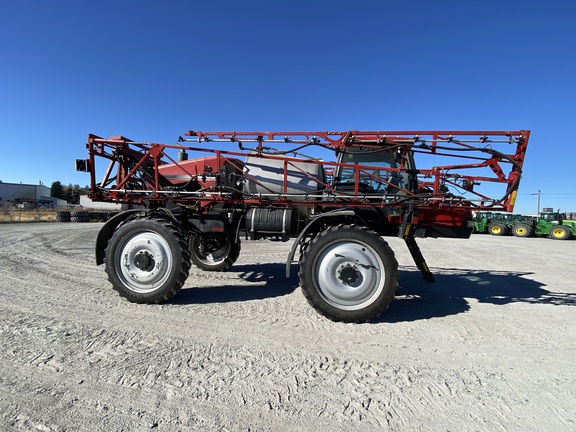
x: 70, y: 193
x: 56, y: 190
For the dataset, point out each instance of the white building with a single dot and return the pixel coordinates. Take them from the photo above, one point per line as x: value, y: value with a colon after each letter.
x: 88, y: 203
x: 14, y: 194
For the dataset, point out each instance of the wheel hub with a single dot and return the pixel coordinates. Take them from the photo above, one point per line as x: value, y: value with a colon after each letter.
x: 144, y: 261
x: 348, y: 275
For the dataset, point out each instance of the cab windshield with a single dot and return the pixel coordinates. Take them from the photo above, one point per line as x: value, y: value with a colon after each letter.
x: 377, y: 170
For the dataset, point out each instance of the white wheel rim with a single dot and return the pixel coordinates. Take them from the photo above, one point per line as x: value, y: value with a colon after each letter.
x: 349, y: 275
x: 144, y: 262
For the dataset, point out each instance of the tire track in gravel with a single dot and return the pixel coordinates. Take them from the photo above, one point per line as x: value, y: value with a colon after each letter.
x: 52, y: 253
x: 226, y: 355
x: 251, y: 379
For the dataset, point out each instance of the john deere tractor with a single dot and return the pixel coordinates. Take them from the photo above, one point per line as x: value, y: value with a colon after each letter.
x: 498, y: 224
x: 551, y: 224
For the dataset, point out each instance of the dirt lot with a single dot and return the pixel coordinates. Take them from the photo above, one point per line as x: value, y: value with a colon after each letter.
x: 490, y: 346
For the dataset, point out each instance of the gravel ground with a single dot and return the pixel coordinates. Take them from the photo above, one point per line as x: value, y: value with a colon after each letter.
x: 490, y: 346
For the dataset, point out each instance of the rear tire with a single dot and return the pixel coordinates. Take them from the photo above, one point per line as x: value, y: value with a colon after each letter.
x: 348, y: 273
x: 498, y: 229
x: 147, y: 260
x: 523, y: 230
x: 214, y: 251
x: 560, y: 232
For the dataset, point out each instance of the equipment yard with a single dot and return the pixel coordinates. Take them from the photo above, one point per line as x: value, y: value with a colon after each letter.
x: 489, y: 346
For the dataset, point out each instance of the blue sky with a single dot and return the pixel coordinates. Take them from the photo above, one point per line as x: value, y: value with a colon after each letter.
x: 150, y: 70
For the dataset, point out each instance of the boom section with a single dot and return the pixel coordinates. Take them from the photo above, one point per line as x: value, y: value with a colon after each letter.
x: 474, y: 170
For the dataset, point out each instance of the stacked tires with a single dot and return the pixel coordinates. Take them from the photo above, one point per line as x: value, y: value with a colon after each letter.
x: 82, y: 216
x: 63, y: 216
x: 79, y: 216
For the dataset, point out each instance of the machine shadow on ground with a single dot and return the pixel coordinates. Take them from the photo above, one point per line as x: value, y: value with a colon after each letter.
x: 259, y: 281
x: 415, y: 299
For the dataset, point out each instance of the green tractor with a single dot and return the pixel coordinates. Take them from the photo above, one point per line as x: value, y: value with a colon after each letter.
x: 481, y: 221
x: 501, y: 224
x: 491, y: 222
x: 522, y: 225
x: 551, y: 224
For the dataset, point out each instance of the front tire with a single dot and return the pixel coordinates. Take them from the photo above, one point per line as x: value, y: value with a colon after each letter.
x: 498, y: 229
x: 147, y: 260
x: 214, y: 251
x: 348, y: 273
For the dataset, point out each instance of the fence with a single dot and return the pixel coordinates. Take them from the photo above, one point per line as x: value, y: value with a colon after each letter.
x: 52, y: 215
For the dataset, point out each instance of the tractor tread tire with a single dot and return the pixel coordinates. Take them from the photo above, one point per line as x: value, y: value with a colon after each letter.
x: 171, y: 232
x: 498, y: 229
x: 560, y: 232
x: 315, y: 251
x: 523, y: 230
